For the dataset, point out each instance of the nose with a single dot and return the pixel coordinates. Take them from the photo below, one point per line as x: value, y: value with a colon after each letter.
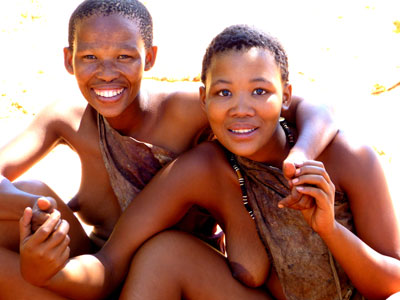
x: 242, y: 106
x: 107, y: 71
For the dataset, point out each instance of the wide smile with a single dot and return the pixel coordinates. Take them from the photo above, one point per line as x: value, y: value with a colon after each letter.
x: 108, y: 95
x: 242, y: 131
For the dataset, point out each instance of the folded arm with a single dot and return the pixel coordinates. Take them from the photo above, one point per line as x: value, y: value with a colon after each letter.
x: 160, y: 205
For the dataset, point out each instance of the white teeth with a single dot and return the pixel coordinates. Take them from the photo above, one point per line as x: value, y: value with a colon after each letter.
x: 242, y: 130
x: 108, y: 93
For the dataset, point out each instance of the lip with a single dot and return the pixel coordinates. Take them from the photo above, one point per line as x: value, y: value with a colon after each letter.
x: 108, y: 94
x: 242, y: 130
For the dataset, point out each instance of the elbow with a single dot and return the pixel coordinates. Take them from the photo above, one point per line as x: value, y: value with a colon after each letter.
x: 250, y: 279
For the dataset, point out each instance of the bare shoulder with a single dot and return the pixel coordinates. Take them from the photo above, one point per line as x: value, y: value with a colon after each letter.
x: 348, y: 159
x: 356, y: 169
x: 63, y: 112
x: 178, y: 100
x: 207, y: 165
x: 208, y: 157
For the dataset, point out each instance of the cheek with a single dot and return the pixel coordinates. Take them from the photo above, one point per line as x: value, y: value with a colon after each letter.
x: 270, y: 110
x: 216, y: 113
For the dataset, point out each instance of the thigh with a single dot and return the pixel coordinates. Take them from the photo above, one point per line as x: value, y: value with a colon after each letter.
x: 176, y: 265
x: 13, y: 286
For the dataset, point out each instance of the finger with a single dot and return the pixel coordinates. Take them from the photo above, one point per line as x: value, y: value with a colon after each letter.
x: 59, y: 235
x: 290, y: 200
x: 47, y: 204
x: 288, y: 169
x: 47, y: 228
x: 65, y: 255
x: 316, y: 180
x: 317, y: 170
x: 25, y: 224
x: 43, y: 204
x: 310, y: 163
x: 38, y: 218
x: 321, y: 198
x: 305, y: 202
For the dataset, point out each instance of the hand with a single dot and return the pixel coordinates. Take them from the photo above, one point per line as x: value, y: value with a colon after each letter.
x: 313, y: 180
x: 41, y: 211
x: 295, y: 200
x: 45, y: 252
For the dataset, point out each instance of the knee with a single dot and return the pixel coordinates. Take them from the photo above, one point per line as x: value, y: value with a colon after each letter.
x: 162, y: 248
x: 34, y: 186
x: 167, y: 251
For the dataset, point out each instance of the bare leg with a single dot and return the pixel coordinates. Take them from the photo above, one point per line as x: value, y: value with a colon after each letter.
x: 12, y: 285
x: 176, y: 265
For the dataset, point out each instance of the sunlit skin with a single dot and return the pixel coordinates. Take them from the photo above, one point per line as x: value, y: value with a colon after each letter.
x: 108, y: 60
x: 203, y: 176
x: 244, y: 101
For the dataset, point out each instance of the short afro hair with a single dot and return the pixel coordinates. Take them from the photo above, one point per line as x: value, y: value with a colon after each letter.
x: 131, y: 9
x: 244, y: 37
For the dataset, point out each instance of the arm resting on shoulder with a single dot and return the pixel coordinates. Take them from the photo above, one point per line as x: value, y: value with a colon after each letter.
x: 315, y: 124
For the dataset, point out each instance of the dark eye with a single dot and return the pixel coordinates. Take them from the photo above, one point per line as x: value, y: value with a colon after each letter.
x: 224, y: 93
x: 259, y: 92
x: 90, y: 57
x: 123, y: 56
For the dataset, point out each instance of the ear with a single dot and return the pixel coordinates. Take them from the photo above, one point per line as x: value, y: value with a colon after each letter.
x: 202, y: 95
x: 150, y: 59
x: 287, y: 96
x: 68, y: 60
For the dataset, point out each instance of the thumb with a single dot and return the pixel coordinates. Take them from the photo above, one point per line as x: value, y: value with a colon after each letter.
x: 288, y: 169
x: 25, y: 224
x: 46, y: 204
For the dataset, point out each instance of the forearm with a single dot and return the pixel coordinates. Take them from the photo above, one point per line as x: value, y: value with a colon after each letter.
x: 13, y: 201
x: 83, y: 277
x: 375, y: 275
x: 315, y: 124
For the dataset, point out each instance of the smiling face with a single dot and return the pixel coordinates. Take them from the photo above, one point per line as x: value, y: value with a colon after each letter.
x: 108, y: 61
x: 243, y: 100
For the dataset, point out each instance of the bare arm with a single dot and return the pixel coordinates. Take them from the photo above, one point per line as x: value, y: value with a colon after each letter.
x: 18, y: 156
x: 191, y: 179
x: 370, y: 258
x: 315, y: 124
x: 165, y: 199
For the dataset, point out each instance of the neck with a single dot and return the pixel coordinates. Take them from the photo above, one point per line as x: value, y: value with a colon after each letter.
x: 131, y: 120
x: 278, y: 148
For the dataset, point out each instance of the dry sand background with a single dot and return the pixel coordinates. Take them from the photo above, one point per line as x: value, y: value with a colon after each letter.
x: 342, y: 52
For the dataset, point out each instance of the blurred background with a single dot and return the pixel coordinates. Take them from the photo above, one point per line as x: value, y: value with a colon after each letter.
x: 345, y: 53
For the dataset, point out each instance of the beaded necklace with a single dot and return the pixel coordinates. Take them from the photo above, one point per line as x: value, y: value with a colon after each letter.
x: 235, y: 166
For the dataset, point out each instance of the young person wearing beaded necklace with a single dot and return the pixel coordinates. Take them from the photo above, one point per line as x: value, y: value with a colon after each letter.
x: 246, y: 87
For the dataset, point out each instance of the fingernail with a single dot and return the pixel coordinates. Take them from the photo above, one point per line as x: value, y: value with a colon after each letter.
x: 296, y: 180
x: 280, y: 205
x: 299, y: 188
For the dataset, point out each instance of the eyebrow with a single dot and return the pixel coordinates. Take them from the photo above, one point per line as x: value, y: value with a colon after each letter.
x: 260, y: 79
x: 257, y: 79
x: 223, y: 81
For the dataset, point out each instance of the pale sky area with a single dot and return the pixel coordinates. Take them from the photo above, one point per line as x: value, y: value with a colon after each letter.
x: 339, y: 52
